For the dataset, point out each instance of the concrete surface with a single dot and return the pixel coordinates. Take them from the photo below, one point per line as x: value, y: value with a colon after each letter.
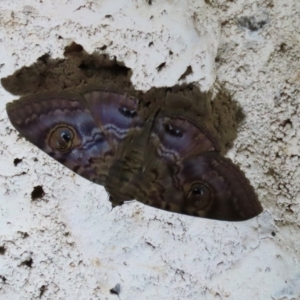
x: 70, y: 244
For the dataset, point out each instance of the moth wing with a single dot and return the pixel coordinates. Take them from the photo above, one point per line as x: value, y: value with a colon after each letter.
x: 184, y: 173
x: 117, y: 114
x: 83, y: 132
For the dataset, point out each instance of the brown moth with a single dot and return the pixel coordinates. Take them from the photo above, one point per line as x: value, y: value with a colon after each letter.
x: 166, y: 159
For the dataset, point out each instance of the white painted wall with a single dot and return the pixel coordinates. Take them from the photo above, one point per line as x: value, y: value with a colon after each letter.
x: 79, y: 247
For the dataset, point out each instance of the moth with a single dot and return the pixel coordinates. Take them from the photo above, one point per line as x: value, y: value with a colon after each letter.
x: 166, y: 158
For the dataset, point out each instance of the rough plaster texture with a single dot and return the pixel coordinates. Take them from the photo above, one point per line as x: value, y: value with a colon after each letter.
x: 70, y: 244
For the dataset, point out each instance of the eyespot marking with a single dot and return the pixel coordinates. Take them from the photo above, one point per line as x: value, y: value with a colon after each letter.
x: 171, y: 130
x: 128, y: 113
x: 61, y: 138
